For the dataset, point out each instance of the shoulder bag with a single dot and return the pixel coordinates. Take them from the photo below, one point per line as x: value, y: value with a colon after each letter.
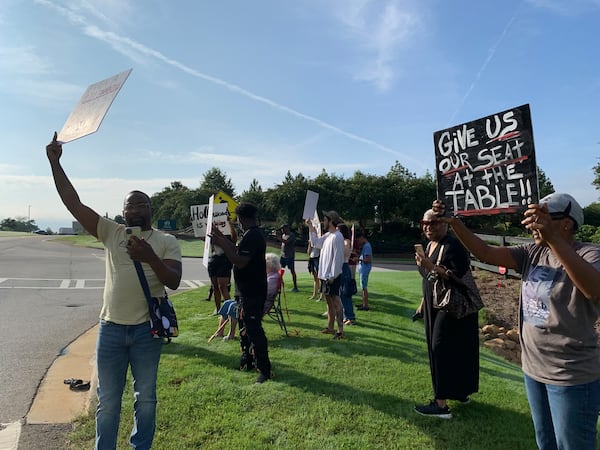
x: 459, y: 297
x: 163, y: 320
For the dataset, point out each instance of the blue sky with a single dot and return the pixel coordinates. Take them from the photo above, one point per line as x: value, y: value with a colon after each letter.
x: 259, y: 88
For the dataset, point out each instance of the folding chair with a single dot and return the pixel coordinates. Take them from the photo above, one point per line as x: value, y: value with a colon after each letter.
x: 275, y: 311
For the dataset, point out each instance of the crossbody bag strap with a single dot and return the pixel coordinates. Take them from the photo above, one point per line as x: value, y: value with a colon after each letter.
x: 440, y: 254
x: 142, y: 277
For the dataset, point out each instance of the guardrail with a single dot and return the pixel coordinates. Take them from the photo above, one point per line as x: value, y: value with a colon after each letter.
x: 503, y: 241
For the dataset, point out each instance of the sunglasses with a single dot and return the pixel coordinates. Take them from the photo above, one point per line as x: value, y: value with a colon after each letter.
x: 431, y: 223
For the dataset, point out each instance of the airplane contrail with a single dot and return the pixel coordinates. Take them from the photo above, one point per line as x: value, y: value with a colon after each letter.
x: 491, y: 54
x: 118, y: 42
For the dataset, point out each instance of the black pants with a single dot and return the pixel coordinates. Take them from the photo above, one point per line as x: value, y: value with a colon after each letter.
x: 251, y: 318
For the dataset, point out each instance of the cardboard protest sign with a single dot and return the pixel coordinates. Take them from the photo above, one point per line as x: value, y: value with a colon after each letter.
x: 222, y: 197
x: 310, y: 205
x: 93, y: 105
x: 487, y: 166
x: 199, y: 216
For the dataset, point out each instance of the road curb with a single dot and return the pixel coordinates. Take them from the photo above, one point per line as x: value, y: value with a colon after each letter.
x: 54, y: 402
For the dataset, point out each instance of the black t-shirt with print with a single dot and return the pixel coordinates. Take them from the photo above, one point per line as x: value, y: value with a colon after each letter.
x: 251, y: 281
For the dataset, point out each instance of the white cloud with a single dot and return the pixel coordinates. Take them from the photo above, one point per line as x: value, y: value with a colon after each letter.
x: 380, y: 29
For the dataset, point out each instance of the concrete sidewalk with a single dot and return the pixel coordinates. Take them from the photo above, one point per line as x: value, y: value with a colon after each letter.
x: 54, y: 402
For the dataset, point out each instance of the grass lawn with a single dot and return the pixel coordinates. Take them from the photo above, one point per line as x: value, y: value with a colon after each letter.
x: 357, y: 393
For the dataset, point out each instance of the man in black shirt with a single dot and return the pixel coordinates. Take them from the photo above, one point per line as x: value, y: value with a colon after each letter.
x: 250, y: 275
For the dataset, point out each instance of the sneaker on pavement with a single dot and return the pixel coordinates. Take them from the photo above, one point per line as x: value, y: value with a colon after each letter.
x: 434, y: 410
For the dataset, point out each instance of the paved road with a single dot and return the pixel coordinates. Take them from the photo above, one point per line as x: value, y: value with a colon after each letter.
x: 50, y: 293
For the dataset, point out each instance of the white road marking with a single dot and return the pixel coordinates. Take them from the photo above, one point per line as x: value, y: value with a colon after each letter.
x: 80, y: 284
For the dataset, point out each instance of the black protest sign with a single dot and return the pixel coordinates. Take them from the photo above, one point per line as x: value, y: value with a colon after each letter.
x: 487, y: 166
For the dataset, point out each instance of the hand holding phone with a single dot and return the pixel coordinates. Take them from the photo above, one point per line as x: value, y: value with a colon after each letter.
x: 133, y: 231
x: 419, y: 250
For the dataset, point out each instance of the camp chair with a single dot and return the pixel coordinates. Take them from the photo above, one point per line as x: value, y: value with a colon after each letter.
x: 275, y: 311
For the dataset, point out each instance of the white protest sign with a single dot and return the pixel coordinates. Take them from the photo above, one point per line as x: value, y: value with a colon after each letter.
x: 310, y: 205
x: 93, y: 105
x: 317, y: 223
x: 199, y: 216
x: 209, y: 225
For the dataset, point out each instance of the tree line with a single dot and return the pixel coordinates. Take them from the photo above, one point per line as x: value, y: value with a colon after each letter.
x: 386, y: 206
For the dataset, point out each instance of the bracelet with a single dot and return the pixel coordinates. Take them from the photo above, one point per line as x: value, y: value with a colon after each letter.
x: 431, y: 276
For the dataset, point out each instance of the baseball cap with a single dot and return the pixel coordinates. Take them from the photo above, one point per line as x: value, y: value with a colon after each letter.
x: 333, y: 216
x: 559, y: 203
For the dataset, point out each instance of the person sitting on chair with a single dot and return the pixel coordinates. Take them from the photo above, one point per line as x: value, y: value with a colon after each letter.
x: 274, y: 279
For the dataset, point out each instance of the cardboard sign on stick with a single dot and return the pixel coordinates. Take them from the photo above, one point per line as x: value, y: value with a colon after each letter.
x: 199, y: 216
x: 310, y: 205
x: 93, y: 105
x: 487, y: 166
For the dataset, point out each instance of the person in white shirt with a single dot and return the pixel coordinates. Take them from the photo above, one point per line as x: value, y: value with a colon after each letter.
x: 331, y: 261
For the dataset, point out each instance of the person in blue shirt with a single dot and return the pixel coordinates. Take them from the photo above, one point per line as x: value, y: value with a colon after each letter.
x: 365, y: 261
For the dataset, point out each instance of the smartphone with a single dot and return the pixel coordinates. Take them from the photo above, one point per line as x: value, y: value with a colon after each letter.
x: 133, y: 231
x: 419, y: 250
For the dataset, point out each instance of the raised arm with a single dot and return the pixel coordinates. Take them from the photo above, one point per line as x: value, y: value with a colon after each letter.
x: 87, y: 217
x: 491, y: 254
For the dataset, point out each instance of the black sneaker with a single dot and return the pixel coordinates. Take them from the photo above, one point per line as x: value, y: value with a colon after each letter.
x: 261, y: 378
x: 338, y: 336
x: 417, y: 316
x: 433, y: 410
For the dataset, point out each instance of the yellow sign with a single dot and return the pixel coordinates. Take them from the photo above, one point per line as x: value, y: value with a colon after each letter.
x: 222, y: 197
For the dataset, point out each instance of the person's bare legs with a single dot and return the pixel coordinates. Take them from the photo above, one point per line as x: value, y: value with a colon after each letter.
x: 216, y: 292
x: 316, y: 293
x: 339, y: 313
x: 365, y: 298
x: 331, y: 311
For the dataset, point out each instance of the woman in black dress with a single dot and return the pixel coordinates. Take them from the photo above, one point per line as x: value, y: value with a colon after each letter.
x: 453, y: 344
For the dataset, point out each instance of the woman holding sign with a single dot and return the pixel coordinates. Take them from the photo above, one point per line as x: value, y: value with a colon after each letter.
x: 560, y: 304
x: 453, y: 344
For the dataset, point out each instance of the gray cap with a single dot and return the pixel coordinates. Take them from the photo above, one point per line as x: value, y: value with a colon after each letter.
x: 559, y: 203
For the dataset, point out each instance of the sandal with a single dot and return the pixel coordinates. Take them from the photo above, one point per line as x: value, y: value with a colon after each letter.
x: 80, y: 386
x: 73, y: 381
x: 327, y: 331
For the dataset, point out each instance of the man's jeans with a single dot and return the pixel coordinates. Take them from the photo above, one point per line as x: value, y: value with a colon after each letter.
x: 564, y: 417
x: 118, y: 347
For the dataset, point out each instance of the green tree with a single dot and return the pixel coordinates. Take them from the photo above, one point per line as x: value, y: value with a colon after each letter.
x: 215, y: 180
x: 285, y: 202
x: 18, y: 224
x: 174, y: 203
x: 591, y: 214
x: 544, y: 183
x: 255, y: 195
x: 596, y: 181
